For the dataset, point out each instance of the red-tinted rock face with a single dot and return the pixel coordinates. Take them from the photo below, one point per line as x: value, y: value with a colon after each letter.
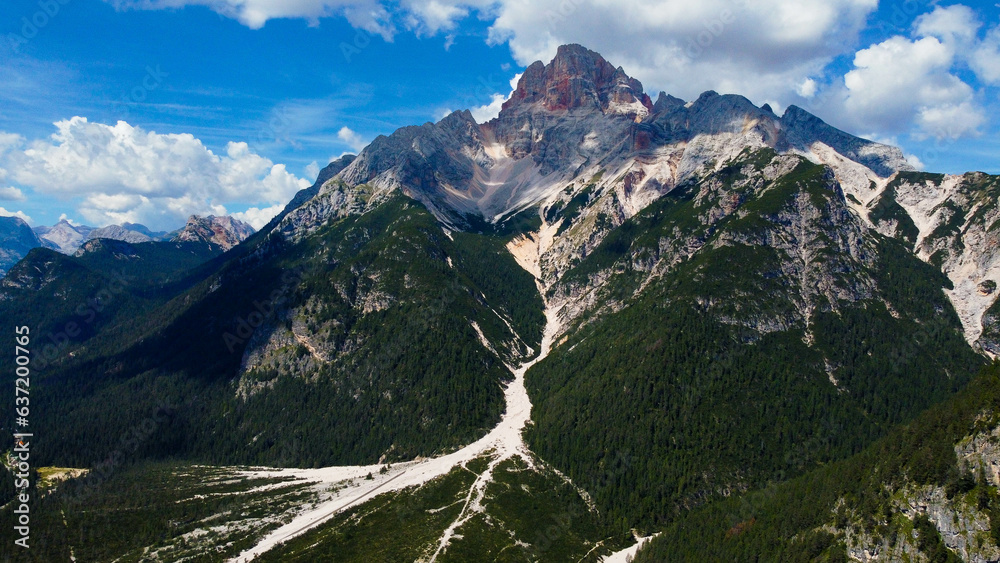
x: 576, y: 78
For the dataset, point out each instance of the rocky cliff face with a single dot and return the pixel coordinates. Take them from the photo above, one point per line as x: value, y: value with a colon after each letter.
x: 303, y: 196
x: 580, y: 78
x: 961, y: 517
x: 223, y: 231
x: 950, y: 222
x: 579, y: 121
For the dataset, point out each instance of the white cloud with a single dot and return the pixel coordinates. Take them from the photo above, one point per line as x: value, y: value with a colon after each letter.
x: 985, y: 59
x: 900, y: 82
x: 807, y: 88
x: 126, y: 173
x: 18, y: 213
x: 762, y: 48
x: 951, y: 120
x: 312, y: 170
x: 9, y: 141
x: 482, y: 114
x: 953, y: 23
x: 351, y: 139
x: 10, y: 193
x: 766, y: 50
x: 914, y: 161
x: 432, y: 16
x: 258, y: 217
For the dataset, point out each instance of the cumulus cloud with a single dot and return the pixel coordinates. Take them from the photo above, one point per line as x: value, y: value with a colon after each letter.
x: 755, y: 48
x: 951, y: 120
x: 985, y: 58
x: 482, y: 114
x: 10, y: 193
x: 900, y: 79
x: 956, y: 23
x: 9, y: 141
x: 912, y: 84
x: 257, y: 217
x: 351, y: 139
x: 432, y: 16
x: 18, y: 213
x: 124, y: 173
x: 807, y: 89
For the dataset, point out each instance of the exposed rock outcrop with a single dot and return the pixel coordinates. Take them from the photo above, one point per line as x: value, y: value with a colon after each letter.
x: 223, y: 231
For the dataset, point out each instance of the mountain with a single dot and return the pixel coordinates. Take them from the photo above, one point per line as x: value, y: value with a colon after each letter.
x: 149, y: 263
x: 578, y: 115
x: 16, y: 239
x: 64, y: 236
x: 139, y: 228
x: 592, y: 317
x: 118, y: 232
x: 223, y: 231
x: 69, y: 239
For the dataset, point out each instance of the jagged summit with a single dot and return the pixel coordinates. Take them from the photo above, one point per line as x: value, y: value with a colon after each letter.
x: 64, y: 236
x: 224, y: 231
x: 579, y: 78
x: 579, y: 115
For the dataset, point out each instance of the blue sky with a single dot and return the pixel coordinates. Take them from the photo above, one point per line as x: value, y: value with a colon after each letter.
x: 150, y: 110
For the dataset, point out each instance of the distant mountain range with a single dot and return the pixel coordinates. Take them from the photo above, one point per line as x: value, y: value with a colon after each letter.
x: 68, y: 238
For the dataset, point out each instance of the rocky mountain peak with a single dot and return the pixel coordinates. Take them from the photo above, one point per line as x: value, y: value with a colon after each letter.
x: 572, y: 118
x: 223, y: 231
x: 579, y: 78
x: 64, y: 236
